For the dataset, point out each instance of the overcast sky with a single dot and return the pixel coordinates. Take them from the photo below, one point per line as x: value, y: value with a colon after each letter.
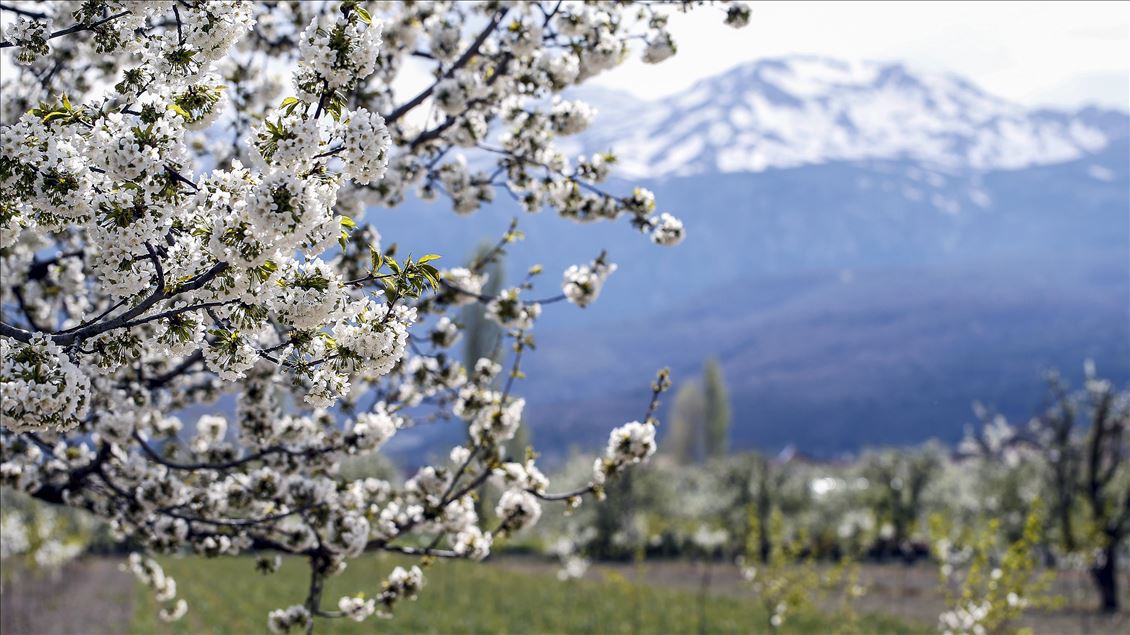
x: 1034, y: 53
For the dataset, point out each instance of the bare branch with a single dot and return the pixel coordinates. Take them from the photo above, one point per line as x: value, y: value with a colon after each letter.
x: 75, y: 29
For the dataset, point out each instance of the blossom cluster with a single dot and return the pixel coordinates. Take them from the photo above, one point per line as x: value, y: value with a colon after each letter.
x: 629, y: 444
x: 149, y: 573
x: 582, y: 283
x: 40, y: 387
x: 964, y: 619
x: 401, y: 584
x: 292, y: 617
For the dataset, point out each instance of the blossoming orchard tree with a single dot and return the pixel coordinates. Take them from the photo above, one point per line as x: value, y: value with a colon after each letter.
x: 182, y: 189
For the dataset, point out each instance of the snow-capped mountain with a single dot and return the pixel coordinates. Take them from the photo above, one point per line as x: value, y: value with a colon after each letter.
x: 796, y: 111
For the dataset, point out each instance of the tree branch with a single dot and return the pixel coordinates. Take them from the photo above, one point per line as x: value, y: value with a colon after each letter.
x: 27, y: 14
x: 462, y: 61
x: 75, y: 29
x: 308, y: 453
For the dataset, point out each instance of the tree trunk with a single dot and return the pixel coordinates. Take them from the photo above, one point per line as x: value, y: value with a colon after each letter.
x: 703, y: 589
x: 1106, y: 579
x: 1064, y: 513
x: 763, y: 544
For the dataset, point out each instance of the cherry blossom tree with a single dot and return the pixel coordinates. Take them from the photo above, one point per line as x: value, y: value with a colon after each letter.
x: 182, y: 195
x: 1080, y: 443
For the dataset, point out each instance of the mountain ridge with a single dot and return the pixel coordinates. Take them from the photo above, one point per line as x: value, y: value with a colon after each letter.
x: 806, y: 110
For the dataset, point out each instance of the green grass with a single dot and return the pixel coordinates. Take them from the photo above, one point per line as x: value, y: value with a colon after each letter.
x: 226, y: 596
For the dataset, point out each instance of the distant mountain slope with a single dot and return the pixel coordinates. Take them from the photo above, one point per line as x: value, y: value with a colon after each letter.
x: 806, y: 110
x: 835, y: 216
x: 837, y: 362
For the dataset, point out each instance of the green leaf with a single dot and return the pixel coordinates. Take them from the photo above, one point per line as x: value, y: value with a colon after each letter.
x: 289, y: 101
x: 428, y: 258
x: 342, y: 240
x: 265, y: 270
x: 66, y: 102
x: 364, y: 15
x: 348, y: 222
x: 180, y: 111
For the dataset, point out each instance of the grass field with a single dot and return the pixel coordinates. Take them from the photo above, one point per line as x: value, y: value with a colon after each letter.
x: 226, y: 596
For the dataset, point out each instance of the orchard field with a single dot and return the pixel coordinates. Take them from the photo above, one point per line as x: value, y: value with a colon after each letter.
x: 513, y: 594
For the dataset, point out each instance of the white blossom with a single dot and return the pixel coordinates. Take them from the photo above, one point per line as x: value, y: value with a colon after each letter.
x: 365, y: 146
x: 582, y: 283
x: 510, y: 311
x: 465, y: 284
x: 371, y: 430
x: 495, y: 421
x: 631, y: 443
x: 40, y: 387
x: 668, y: 230
x: 517, y: 509
x: 356, y: 608
x: 283, y: 620
x: 30, y: 36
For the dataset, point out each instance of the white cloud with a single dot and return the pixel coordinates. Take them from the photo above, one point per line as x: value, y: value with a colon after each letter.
x: 1066, y: 54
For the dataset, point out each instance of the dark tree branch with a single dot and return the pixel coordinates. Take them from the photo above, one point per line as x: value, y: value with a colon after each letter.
x: 25, y: 13
x: 164, y: 378
x: 459, y: 63
x: 308, y: 453
x: 75, y: 29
